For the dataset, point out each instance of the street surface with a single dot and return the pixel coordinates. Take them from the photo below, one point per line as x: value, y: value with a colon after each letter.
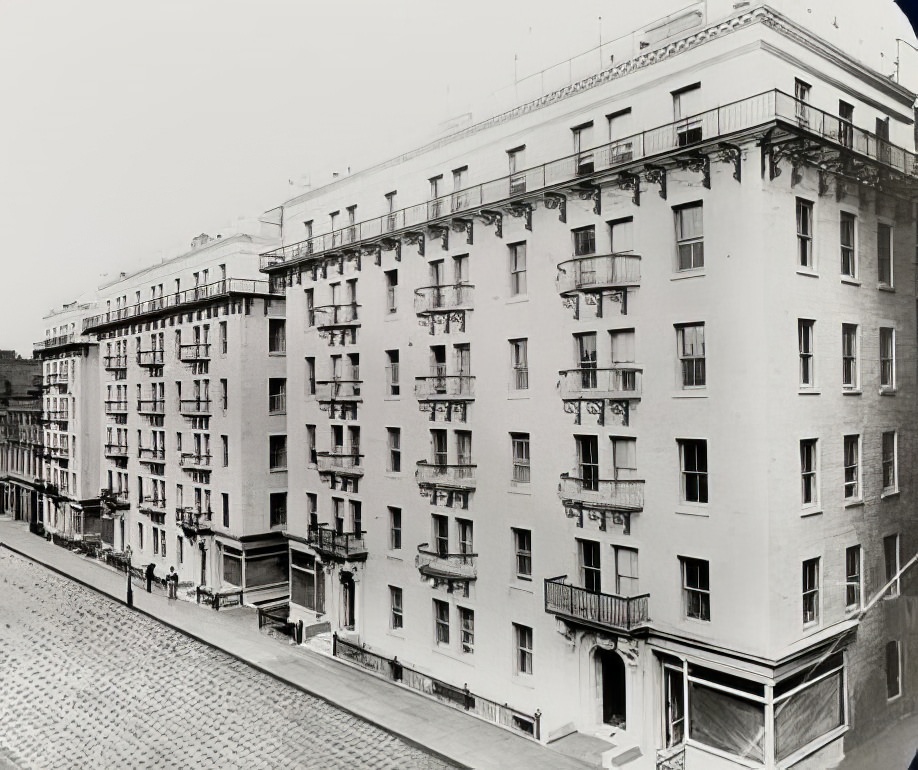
x: 87, y: 683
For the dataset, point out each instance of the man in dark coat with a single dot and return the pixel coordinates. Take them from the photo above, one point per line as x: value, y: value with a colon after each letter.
x: 150, y: 568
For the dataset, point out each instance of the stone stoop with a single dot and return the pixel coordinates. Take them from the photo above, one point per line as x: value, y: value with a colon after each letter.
x: 321, y: 643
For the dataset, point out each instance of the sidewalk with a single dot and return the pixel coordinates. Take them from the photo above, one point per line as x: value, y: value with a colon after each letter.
x: 455, y: 736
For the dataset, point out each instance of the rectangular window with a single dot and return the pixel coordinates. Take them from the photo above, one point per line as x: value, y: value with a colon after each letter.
x: 887, y: 358
x: 140, y: 535
x: 223, y: 338
x: 395, y: 450
x: 224, y: 499
x: 805, y: 343
x: 224, y: 393
x: 891, y: 562
x: 690, y: 236
x: 590, y: 566
x: 277, y: 509
x: 690, y: 341
x: 885, y: 254
x: 180, y: 549
x: 522, y: 543
x: 696, y: 588
x: 621, y: 130
x: 808, y: 472
x: 805, y: 234
x: 686, y: 109
x: 277, y: 336
x: 155, y: 540
x: 584, y: 241
x: 893, y: 675
x: 693, y: 460
x: 853, y: 585
x: 520, y: 449
x: 852, y: 470
x: 845, y: 123
x: 516, y: 162
x: 397, y: 619
x: 517, y: 269
x: 810, y: 591
x: 395, y: 528
x: 391, y: 290
x: 311, y: 444
x: 890, y: 463
x: 519, y: 361
x: 312, y: 509
x: 277, y: 395
x: 802, y: 95
x: 464, y: 536
x: 440, y: 526
x: 392, y: 382
x: 626, y: 571
x: 583, y: 142
x: 848, y: 243
x: 277, y: 453
x: 441, y: 622
x: 850, y: 379
x: 588, y: 462
x: 523, y: 640
x: 467, y: 629
x: 310, y: 376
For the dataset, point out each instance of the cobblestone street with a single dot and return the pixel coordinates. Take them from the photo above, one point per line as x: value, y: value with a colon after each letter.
x: 86, y: 682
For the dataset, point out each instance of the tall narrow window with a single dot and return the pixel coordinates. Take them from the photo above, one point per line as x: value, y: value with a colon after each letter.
x: 277, y: 336
x: 391, y: 290
x: 891, y: 562
x: 395, y: 528
x: 395, y: 450
x: 590, y: 566
x: 277, y: 509
x: 621, y: 130
x: 852, y: 467
x: 522, y: 543
x: 693, y: 458
x: 853, y: 585
x: 626, y: 571
x: 440, y: 526
x: 223, y: 338
x: 696, y: 588
x: 583, y: 142
x: 686, y: 109
x: 802, y: 95
x: 519, y: 362
x: 520, y: 450
x: 277, y: 453
x: 224, y: 500
x: 588, y: 462
x: 810, y: 591
x: 517, y: 269
x: 805, y: 234
x: 850, y: 379
x: 395, y: 603
x: 516, y: 163
x: 224, y: 441
x: 847, y: 237
x: 893, y: 675
x: 805, y: 344
x: 392, y: 381
x: 887, y: 358
x: 808, y: 472
x: 690, y: 338
x: 467, y: 629
x: 311, y: 444
x: 885, y: 255
x: 845, y: 123
x: 889, y: 463
x: 524, y: 648
x: 441, y: 622
x: 690, y: 236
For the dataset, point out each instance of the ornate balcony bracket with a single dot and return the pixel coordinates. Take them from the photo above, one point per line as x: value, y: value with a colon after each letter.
x: 442, y: 232
x: 697, y: 162
x: 452, y: 411
x: 597, y: 407
x: 629, y: 181
x: 731, y: 153
x: 572, y: 302
x: 464, y: 225
x: 492, y: 217
x: 656, y: 175
x: 574, y: 510
x: 449, y: 321
x: 338, y: 410
x: 371, y: 250
x: 556, y: 200
x: 416, y: 237
x: 823, y: 182
x: 388, y: 244
x: 524, y: 210
x: 588, y: 191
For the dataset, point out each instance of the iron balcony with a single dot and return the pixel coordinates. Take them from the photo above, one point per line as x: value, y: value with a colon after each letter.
x: 115, y: 363
x: 117, y: 499
x: 445, y: 566
x: 441, y: 299
x: 617, y: 383
x: 340, y: 462
x: 116, y: 450
x: 611, y: 494
x: 452, y: 387
x: 151, y: 406
x: 116, y: 407
x: 149, y: 357
x: 192, y: 407
x: 595, y: 272
x: 579, y: 606
x: 334, y: 316
x: 193, y: 520
x: 446, y: 476
x: 199, y: 351
x: 340, y: 546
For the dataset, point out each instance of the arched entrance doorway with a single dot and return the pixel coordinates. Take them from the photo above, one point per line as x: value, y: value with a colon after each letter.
x: 610, y: 680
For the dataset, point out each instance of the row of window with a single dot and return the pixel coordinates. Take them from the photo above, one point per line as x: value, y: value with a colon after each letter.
x: 852, y: 465
x: 850, y: 355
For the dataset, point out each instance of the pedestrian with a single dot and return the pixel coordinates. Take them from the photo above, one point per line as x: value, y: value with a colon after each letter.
x: 172, y: 580
x: 150, y: 568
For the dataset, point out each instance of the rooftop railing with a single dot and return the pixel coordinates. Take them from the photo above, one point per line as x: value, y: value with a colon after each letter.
x: 209, y: 291
x: 621, y: 613
x: 55, y: 342
x: 711, y: 126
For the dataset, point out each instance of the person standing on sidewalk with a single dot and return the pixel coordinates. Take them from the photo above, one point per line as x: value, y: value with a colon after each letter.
x: 150, y: 569
x: 172, y: 580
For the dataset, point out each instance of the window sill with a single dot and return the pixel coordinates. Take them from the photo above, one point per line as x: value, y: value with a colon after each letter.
x: 396, y: 633
x: 887, y: 391
x: 523, y: 680
x: 809, y: 392
x: 681, y: 275
x: 854, y: 503
x: 519, y: 489
x: 392, y: 398
x: 852, y: 392
x: 850, y: 281
x: 277, y: 470
x: 886, y: 287
x: 523, y: 588
x: 699, y: 393
x: 516, y: 298
x: 394, y: 558
x: 700, y: 512
x: 516, y: 395
x: 807, y: 514
x: 808, y: 272
x: 889, y: 493
x: 276, y: 354
x: 393, y: 474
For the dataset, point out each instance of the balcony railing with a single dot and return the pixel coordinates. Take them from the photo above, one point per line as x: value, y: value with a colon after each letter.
x: 58, y: 378
x: 151, y: 406
x: 450, y: 566
x: 198, y: 351
x: 435, y: 299
x: 329, y: 316
x: 450, y: 386
x: 345, y: 546
x: 686, y: 134
x: 118, y: 498
x: 114, y: 363
x: 193, y: 296
x: 277, y: 403
x: 151, y: 454
x: 194, y: 406
x: 116, y: 450
x: 153, y: 505
x: 150, y: 357
x: 613, y: 494
x: 192, y: 460
x: 597, y: 272
x: 55, y: 342
x: 453, y: 476
x: 607, y: 611
x: 59, y: 415
x: 338, y: 390
x: 339, y: 461
x: 116, y: 407
x: 60, y: 452
x: 620, y: 382
x: 194, y: 520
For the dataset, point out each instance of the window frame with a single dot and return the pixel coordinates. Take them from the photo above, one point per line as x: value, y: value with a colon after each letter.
x: 810, y: 591
x: 466, y: 630
x: 889, y: 461
x: 695, y: 256
x: 522, y: 563
x: 893, y: 645
x: 696, y: 599
x: 806, y: 253
x: 809, y: 474
x: 851, y: 467
x: 702, y: 474
x: 806, y: 351
x: 395, y: 528
x: 393, y: 450
x: 692, y: 367
x: 524, y: 643
x: 520, y: 458
x: 887, y: 345
x: 518, y: 275
x: 441, y: 623
x: 848, y: 267
x: 886, y: 281
x: 891, y: 569
x: 396, y: 609
x: 851, y: 379
x: 854, y: 578
x: 519, y: 363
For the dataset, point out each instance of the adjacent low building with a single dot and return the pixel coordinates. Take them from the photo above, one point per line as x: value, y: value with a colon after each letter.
x: 20, y: 438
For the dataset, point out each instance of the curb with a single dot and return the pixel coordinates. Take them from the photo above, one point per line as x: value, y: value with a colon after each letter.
x: 369, y: 720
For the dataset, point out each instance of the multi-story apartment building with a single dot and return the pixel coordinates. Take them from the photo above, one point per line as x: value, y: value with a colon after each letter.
x: 599, y: 404
x: 72, y: 422
x: 192, y: 386
x: 20, y: 438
